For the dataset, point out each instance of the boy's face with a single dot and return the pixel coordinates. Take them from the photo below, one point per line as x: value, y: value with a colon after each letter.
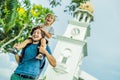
x: 49, y: 19
x: 36, y: 36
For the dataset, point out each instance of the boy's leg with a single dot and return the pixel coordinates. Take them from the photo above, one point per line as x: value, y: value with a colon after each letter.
x: 23, y: 44
x: 40, y: 56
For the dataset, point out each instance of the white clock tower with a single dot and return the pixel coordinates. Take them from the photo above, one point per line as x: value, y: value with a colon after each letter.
x: 71, y: 48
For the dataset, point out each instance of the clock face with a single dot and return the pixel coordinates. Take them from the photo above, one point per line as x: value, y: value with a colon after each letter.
x: 75, y: 31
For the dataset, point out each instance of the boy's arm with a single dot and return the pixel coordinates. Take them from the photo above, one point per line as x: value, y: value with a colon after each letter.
x: 48, y: 35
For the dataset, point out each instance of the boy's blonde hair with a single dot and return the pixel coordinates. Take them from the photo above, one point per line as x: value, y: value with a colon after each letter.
x: 50, y: 14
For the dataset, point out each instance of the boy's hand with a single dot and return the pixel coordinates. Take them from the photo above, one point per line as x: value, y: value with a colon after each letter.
x: 41, y: 26
x: 43, y: 29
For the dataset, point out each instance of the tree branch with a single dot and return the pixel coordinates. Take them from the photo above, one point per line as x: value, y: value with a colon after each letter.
x: 3, y: 40
x: 14, y: 37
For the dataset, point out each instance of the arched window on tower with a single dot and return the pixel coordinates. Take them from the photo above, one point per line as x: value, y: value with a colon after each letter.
x: 66, y: 53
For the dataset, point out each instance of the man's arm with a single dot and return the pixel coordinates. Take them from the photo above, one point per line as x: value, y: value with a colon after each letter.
x: 50, y: 58
x: 18, y: 58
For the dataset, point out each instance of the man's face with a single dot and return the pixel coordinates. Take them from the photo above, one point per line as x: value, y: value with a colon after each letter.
x: 49, y: 19
x: 36, y: 36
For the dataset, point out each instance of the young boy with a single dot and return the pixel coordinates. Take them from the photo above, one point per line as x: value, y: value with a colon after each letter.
x: 47, y: 29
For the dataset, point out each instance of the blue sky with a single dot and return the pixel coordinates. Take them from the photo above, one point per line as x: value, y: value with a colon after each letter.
x: 103, y: 57
x: 103, y: 44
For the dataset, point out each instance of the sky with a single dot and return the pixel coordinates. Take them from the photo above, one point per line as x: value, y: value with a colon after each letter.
x: 104, y: 42
x: 103, y: 57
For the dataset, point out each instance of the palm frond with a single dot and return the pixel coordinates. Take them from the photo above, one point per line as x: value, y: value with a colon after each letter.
x: 11, y: 16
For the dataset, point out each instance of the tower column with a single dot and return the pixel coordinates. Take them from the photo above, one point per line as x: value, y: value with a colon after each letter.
x: 88, y: 19
x: 84, y: 17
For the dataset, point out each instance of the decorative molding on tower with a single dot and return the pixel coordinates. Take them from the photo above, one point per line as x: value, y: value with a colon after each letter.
x: 70, y: 40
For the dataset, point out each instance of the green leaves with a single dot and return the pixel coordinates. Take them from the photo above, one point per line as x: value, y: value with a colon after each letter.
x: 11, y: 4
x: 38, y: 12
x: 69, y: 8
x: 73, y: 5
x: 55, y: 3
x: 10, y: 15
x: 17, y: 19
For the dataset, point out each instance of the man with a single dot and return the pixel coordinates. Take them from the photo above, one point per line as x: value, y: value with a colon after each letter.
x: 29, y: 67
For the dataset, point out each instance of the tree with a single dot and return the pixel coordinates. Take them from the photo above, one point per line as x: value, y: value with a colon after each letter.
x: 17, y: 19
x: 69, y: 8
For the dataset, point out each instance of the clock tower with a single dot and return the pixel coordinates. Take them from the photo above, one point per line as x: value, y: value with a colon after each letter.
x: 71, y: 48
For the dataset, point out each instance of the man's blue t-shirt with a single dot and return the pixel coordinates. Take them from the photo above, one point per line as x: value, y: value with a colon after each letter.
x: 30, y: 65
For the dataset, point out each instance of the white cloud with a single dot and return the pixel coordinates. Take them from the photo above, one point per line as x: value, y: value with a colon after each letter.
x: 6, y: 66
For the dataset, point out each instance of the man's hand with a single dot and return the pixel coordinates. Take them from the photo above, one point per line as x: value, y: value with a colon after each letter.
x: 42, y: 50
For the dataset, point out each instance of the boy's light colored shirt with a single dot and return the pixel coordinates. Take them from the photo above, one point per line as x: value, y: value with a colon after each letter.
x: 50, y: 29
